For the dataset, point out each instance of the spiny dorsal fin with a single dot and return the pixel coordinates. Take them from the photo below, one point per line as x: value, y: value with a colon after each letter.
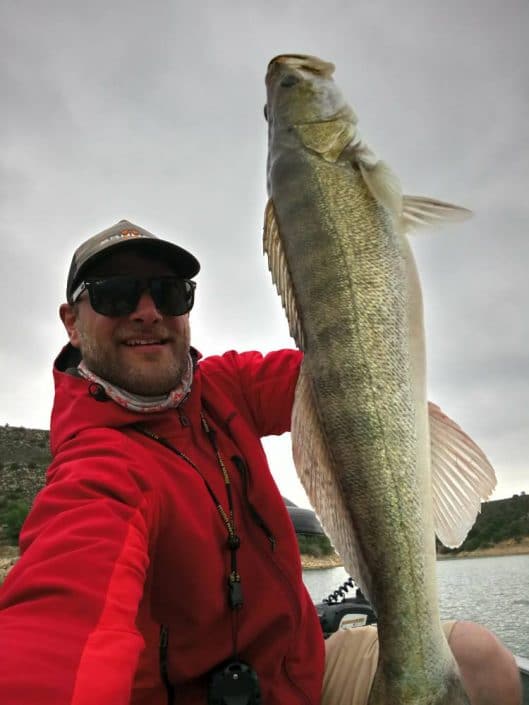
x: 462, y: 478
x: 277, y: 263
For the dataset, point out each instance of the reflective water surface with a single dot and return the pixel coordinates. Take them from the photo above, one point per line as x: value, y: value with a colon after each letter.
x: 491, y: 591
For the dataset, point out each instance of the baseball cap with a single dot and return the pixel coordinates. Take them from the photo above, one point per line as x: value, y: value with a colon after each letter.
x: 126, y: 234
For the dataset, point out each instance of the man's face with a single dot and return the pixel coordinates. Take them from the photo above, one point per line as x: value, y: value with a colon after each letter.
x: 144, y: 352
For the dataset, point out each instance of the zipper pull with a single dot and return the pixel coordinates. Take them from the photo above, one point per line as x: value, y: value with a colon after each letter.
x: 184, y: 421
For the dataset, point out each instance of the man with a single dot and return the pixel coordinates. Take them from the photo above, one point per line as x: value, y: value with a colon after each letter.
x: 159, y: 563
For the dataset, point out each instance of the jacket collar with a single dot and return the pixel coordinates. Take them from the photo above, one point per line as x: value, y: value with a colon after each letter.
x: 80, y: 404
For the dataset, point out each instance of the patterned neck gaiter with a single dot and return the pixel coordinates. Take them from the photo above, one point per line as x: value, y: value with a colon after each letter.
x: 141, y: 404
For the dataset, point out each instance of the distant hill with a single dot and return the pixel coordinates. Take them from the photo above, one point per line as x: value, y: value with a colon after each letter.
x: 499, y: 520
x: 25, y: 455
x: 19, y: 444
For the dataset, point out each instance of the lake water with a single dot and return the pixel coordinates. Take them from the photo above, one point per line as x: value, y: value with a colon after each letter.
x: 491, y: 591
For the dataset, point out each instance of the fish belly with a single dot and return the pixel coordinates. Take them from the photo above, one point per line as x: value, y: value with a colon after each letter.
x: 361, y: 410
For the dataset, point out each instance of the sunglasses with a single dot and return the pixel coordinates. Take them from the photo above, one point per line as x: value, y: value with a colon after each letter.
x: 119, y: 296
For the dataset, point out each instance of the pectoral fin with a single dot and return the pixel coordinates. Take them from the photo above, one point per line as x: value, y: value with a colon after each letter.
x: 410, y: 212
x: 462, y: 478
x: 384, y: 186
x: 277, y: 263
x: 418, y: 212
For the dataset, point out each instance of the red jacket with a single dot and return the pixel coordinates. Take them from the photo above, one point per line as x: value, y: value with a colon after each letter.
x: 125, y: 537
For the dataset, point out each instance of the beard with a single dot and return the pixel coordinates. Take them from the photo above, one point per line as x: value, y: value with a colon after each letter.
x: 148, y: 376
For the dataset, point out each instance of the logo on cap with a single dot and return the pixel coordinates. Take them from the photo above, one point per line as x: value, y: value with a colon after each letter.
x: 130, y: 233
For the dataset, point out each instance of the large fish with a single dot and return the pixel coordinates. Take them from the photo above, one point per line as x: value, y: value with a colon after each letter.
x: 383, y: 469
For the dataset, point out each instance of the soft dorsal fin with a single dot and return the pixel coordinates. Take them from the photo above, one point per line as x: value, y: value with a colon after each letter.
x: 277, y: 263
x: 462, y: 477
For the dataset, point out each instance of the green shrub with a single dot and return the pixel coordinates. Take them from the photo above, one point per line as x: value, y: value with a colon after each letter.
x: 13, y: 516
x: 314, y: 545
x: 471, y: 544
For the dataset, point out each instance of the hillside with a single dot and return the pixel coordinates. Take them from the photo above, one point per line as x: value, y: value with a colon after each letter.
x: 24, y: 456
x: 502, y: 521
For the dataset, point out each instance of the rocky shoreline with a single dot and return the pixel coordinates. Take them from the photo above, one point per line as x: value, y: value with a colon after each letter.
x: 321, y: 562
x: 509, y: 547
x: 9, y: 556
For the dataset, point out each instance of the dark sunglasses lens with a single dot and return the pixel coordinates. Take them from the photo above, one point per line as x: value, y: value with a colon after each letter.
x: 172, y: 297
x: 117, y: 296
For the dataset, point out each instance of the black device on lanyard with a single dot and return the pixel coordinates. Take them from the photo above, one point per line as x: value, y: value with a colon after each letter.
x: 234, y: 683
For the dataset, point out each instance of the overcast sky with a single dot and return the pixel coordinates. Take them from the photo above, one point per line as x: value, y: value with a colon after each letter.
x: 153, y: 112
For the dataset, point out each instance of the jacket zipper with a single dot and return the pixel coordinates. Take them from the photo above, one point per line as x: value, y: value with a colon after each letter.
x: 258, y: 519
x: 289, y: 591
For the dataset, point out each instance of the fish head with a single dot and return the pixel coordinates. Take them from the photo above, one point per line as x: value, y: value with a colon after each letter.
x: 300, y: 91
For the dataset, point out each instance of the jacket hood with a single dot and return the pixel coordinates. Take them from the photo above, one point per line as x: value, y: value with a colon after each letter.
x: 80, y: 404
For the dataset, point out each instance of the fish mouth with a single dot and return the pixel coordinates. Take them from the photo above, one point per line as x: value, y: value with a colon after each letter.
x: 301, y: 61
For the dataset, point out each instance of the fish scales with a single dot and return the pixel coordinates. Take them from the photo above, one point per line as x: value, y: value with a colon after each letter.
x: 356, y: 296
x: 357, y: 353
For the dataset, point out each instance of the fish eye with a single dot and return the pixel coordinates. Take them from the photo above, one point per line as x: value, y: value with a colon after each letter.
x: 266, y: 112
x: 289, y: 80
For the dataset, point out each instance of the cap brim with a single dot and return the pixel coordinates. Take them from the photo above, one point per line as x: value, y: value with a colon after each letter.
x: 182, y: 262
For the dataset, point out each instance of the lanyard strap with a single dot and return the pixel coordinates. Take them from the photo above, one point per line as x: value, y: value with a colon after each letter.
x: 235, y: 596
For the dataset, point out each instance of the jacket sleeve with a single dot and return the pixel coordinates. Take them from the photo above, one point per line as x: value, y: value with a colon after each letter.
x: 68, y: 607
x: 268, y: 384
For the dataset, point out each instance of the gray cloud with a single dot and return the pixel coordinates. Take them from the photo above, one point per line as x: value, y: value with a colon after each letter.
x: 154, y: 113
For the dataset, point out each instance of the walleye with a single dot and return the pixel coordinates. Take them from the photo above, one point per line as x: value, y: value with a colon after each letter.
x: 383, y: 470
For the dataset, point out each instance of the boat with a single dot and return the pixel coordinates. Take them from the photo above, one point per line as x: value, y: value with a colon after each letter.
x: 523, y: 667
x: 339, y: 611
